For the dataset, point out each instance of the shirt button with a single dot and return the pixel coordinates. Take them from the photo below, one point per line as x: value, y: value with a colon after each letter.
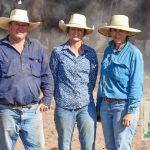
x: 23, y: 66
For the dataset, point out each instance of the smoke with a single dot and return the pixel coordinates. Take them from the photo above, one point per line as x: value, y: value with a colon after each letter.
x: 98, y: 13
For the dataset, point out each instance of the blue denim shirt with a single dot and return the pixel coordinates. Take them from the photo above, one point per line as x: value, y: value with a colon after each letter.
x: 22, y: 76
x: 74, y: 77
x: 122, y: 75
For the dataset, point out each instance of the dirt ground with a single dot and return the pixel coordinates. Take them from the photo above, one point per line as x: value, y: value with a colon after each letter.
x: 51, y: 134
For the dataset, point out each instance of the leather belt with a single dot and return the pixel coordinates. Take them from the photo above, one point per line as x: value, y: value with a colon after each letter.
x: 111, y: 100
x: 20, y: 107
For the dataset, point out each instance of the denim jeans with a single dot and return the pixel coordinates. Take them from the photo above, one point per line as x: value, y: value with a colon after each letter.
x: 117, y: 136
x: 65, y: 120
x: 27, y: 124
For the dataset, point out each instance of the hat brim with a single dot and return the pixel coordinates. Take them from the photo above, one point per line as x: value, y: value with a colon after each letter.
x: 106, y: 30
x: 64, y: 27
x: 4, y: 23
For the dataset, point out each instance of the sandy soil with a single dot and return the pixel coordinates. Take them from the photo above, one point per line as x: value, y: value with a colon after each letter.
x: 51, y: 134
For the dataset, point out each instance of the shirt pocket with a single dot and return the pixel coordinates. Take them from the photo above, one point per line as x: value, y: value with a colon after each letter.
x: 119, y: 71
x: 35, y: 64
x: 8, y: 68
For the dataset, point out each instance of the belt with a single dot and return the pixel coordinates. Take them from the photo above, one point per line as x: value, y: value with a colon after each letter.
x: 20, y: 107
x: 111, y: 100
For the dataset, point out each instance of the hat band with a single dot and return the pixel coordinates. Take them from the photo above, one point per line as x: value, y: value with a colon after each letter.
x: 74, y: 23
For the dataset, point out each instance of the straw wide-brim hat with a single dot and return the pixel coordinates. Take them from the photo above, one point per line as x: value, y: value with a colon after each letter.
x: 120, y: 22
x: 76, y: 21
x: 18, y: 15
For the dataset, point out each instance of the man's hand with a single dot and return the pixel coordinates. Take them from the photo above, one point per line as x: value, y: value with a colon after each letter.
x: 127, y: 119
x: 42, y: 108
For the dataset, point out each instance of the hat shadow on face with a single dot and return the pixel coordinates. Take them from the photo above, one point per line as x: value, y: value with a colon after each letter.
x: 54, y: 148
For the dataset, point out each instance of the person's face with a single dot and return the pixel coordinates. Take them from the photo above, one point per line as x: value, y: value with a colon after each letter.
x: 75, y: 34
x: 18, y: 30
x: 119, y: 36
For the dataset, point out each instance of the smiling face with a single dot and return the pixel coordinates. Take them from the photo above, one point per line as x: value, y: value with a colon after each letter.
x: 119, y: 36
x: 18, y: 30
x: 75, y: 34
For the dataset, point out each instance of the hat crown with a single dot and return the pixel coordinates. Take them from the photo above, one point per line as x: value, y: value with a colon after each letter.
x: 120, y: 20
x: 78, y: 19
x: 19, y: 15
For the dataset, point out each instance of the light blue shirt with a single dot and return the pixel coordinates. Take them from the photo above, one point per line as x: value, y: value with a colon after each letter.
x: 122, y: 75
x: 74, y: 77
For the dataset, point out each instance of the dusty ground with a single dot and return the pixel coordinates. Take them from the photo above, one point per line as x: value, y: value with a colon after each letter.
x: 51, y: 135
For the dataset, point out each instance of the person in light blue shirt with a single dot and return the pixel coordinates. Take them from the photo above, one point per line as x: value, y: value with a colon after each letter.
x: 74, y: 67
x: 121, y: 85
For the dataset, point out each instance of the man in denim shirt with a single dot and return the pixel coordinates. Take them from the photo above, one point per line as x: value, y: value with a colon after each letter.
x: 74, y: 68
x: 24, y: 72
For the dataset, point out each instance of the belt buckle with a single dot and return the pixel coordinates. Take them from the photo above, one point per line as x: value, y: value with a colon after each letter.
x: 110, y: 100
x: 17, y: 107
x: 22, y: 107
x: 107, y: 100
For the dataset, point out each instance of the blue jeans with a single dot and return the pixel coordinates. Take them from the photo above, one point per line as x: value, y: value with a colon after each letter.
x: 117, y: 136
x: 27, y: 124
x: 65, y: 120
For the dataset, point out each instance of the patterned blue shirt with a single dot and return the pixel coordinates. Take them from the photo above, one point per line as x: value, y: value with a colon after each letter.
x: 22, y: 76
x: 74, y: 77
x: 122, y: 75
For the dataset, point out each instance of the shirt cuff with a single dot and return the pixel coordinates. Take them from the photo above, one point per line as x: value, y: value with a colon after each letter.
x: 46, y: 101
x: 131, y: 110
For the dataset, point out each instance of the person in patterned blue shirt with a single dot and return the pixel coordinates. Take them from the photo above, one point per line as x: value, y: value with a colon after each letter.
x: 121, y: 85
x: 74, y: 67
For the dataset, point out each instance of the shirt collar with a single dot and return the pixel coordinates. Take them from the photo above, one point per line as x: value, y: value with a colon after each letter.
x: 6, y: 41
x: 66, y: 46
x: 112, y: 44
